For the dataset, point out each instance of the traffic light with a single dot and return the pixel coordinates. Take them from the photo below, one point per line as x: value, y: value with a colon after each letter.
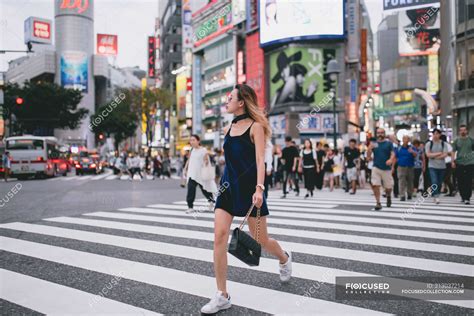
x: 19, y: 101
x: 101, y: 136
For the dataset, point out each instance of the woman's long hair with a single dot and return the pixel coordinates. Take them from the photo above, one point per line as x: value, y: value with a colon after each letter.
x: 248, y: 95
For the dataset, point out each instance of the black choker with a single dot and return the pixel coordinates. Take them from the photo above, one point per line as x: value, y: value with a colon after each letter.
x: 240, y: 117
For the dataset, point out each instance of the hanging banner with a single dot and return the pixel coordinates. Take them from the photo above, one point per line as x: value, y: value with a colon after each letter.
x: 433, y: 74
x: 353, y: 40
x: 403, y: 4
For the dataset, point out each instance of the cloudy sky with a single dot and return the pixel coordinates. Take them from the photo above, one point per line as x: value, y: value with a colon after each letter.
x: 131, y: 20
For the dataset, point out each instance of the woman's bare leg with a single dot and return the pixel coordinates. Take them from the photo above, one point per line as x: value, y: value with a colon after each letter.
x: 222, y: 222
x: 269, y: 244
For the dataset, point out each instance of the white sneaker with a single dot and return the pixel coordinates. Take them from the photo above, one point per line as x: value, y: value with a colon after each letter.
x: 285, y: 269
x: 437, y: 200
x: 217, y: 303
x: 212, y: 205
x: 189, y: 211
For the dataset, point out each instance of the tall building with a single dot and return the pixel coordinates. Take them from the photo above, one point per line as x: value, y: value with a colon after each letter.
x: 463, y: 94
x: 170, y: 41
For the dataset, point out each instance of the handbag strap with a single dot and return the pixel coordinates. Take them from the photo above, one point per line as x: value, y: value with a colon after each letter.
x: 257, y: 228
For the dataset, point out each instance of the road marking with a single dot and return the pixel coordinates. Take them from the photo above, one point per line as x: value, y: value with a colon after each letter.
x: 50, y: 298
x: 262, y: 299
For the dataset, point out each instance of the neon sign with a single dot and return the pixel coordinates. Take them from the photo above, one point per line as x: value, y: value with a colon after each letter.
x: 80, y: 5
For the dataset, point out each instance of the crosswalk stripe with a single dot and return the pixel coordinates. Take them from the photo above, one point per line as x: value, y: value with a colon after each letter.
x: 101, y: 176
x: 70, y: 178
x: 114, y: 176
x: 388, y: 221
x: 384, y: 242
x: 262, y: 299
x: 401, y: 216
x: 84, y: 177
x: 51, y: 298
x: 395, y: 207
x: 300, y: 270
x: 341, y: 200
x: 350, y: 254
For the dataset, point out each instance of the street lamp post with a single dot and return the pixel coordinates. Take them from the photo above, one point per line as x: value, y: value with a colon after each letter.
x: 333, y: 70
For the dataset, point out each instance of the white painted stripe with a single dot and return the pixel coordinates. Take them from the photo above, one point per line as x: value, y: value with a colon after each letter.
x: 349, y: 200
x: 262, y: 299
x: 387, y: 231
x: 84, y: 177
x: 114, y: 176
x: 50, y: 298
x: 54, y: 179
x: 300, y: 270
x: 333, y: 252
x: 402, y: 207
x: 326, y: 206
x: 296, y: 212
x: 101, y: 176
x: 389, y: 221
x: 70, y: 178
x: 384, y: 242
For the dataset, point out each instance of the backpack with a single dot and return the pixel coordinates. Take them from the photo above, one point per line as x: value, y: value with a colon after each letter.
x: 442, y: 145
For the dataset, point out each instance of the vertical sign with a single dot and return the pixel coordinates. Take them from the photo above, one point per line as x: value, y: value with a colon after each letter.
x: 252, y: 15
x: 353, y: 90
x: 363, y: 59
x: 433, y: 77
x: 240, y: 67
x: 197, y: 94
x: 151, y: 56
x: 353, y: 40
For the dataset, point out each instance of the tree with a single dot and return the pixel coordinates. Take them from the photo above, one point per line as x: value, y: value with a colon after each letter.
x: 45, y: 106
x: 146, y: 103
x: 116, y: 118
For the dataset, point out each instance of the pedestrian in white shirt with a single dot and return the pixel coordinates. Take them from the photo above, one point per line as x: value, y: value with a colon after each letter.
x: 195, y: 163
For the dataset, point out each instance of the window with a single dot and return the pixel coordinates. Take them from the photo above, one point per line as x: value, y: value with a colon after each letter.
x: 25, y: 144
x: 218, y: 53
x: 461, y: 6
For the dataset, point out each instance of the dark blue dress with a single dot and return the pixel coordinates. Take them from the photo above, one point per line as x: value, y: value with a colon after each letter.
x: 238, y: 184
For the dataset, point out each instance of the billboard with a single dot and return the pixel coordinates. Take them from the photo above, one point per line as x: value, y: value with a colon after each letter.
x: 181, y: 95
x: 74, y: 70
x: 433, y: 74
x: 37, y: 30
x: 238, y: 11
x: 151, y: 56
x: 289, y: 20
x: 107, y: 44
x: 418, y: 31
x: 401, y: 4
x: 318, y: 123
x: 297, y: 74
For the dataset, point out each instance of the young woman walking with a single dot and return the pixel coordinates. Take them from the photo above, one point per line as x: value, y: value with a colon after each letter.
x: 197, y: 159
x: 309, y: 166
x: 244, y: 149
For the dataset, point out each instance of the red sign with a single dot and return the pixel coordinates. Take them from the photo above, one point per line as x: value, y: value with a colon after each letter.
x: 189, y: 84
x: 363, y: 59
x: 151, y: 56
x: 42, y: 30
x: 254, y: 71
x: 80, y: 5
x: 107, y: 44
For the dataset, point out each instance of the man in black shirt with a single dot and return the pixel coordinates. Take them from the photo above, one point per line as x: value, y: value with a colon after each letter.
x: 290, y: 157
x: 351, y: 155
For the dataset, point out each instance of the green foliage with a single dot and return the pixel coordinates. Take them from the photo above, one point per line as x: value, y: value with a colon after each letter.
x: 45, y: 105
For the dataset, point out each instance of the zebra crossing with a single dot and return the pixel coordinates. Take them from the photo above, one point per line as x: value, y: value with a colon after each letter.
x: 108, y: 175
x: 157, y: 259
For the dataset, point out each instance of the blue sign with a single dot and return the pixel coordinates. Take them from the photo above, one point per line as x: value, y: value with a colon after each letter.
x: 74, y: 70
x: 353, y: 90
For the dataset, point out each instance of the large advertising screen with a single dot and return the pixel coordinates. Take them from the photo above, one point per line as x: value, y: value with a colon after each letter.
x: 287, y: 20
x: 74, y: 70
x: 418, y: 31
x: 298, y: 74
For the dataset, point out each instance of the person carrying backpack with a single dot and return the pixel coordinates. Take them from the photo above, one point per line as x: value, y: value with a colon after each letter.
x: 463, y: 146
x: 436, y: 150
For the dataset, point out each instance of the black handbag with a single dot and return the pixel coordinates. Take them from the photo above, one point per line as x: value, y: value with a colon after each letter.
x: 243, y: 246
